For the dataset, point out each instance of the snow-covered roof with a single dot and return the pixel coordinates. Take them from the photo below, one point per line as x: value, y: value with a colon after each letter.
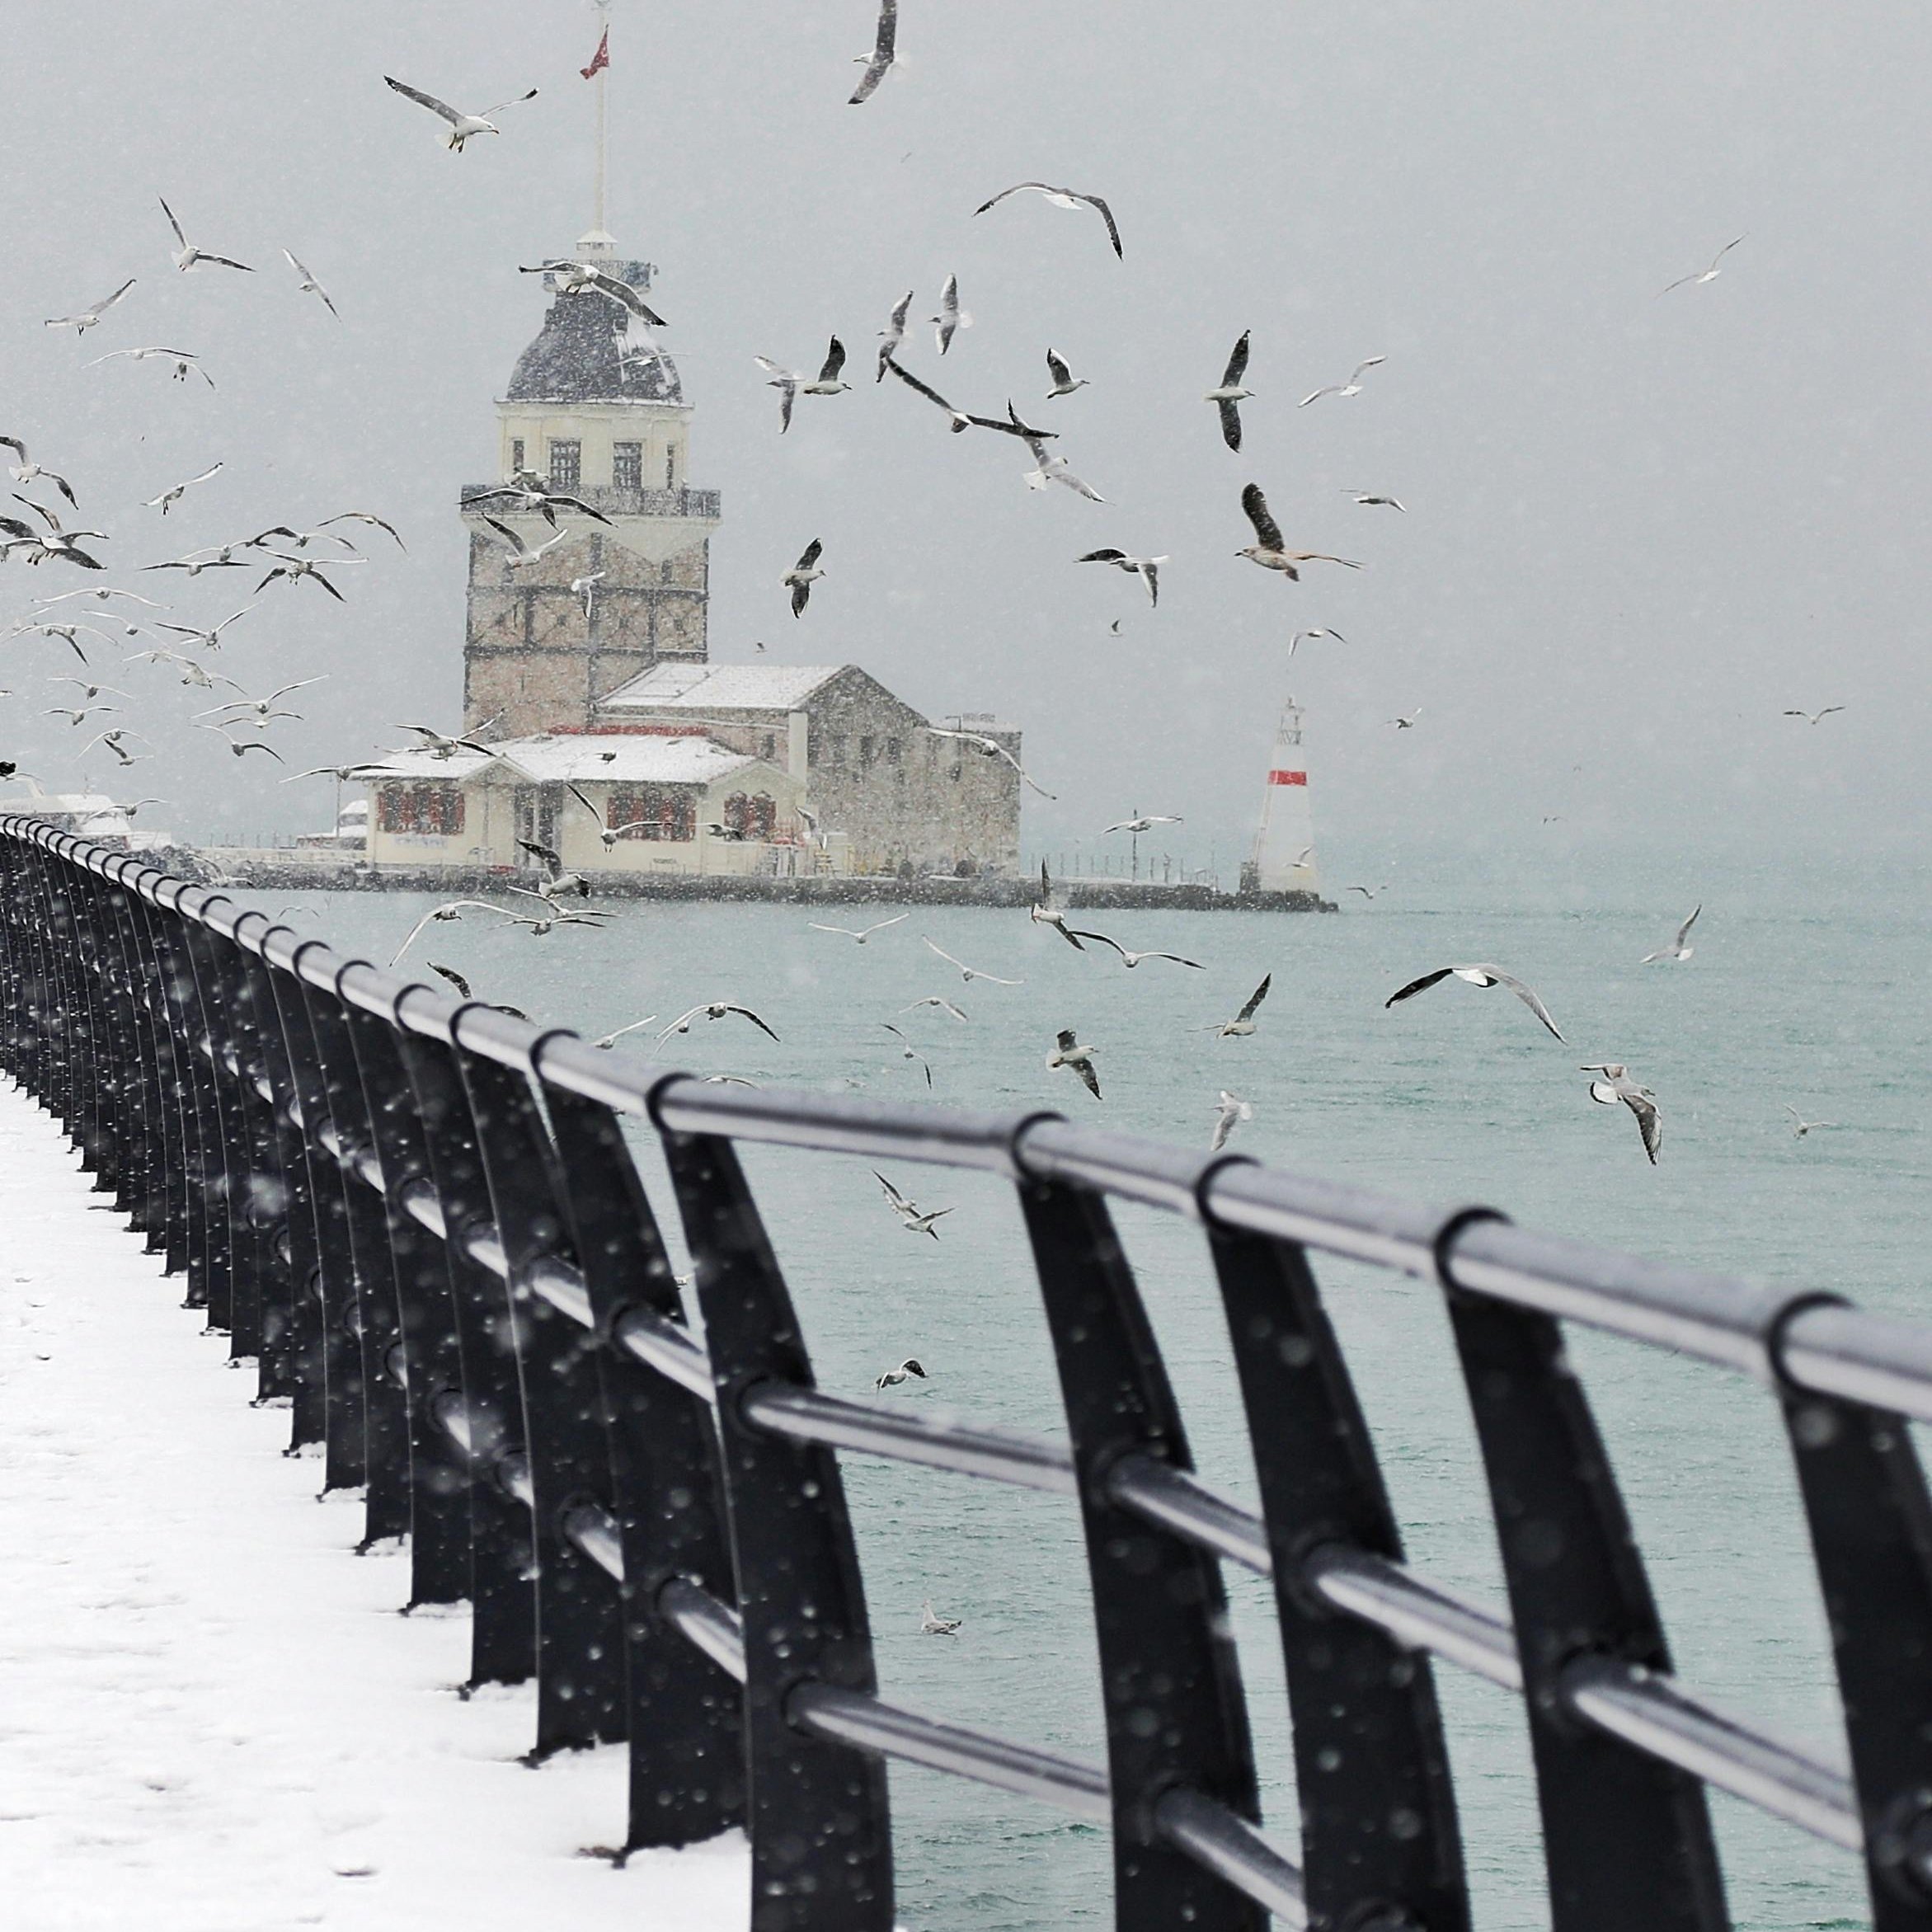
x: 720, y: 687
x: 579, y: 357
x: 423, y: 764
x: 612, y: 758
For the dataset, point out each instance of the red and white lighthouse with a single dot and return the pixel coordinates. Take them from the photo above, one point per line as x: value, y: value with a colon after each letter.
x: 1283, y: 859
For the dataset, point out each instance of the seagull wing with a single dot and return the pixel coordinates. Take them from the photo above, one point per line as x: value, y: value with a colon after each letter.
x: 1267, y: 532
x: 1416, y: 986
x: 945, y: 955
x: 1649, y: 1123
x: 834, y: 361
x: 810, y: 555
x: 514, y: 101
x: 883, y: 45
x: 1237, y: 363
x: 912, y: 382
x: 745, y: 1012
x: 883, y: 924
x: 1683, y: 929
x: 1018, y: 188
x: 1084, y: 1069
x: 1061, y: 374
x: 1106, y: 556
x: 584, y: 802
x: 1113, y: 232
x: 1230, y: 424
x: 175, y: 225
x: 422, y: 99
x: 1258, y: 995
x: 1724, y: 251
x: 621, y: 291
x: 893, y: 1194
x: 1516, y: 986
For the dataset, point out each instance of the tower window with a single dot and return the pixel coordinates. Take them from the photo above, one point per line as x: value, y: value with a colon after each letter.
x: 670, y: 469
x: 516, y: 452
x: 867, y: 746
x: 627, y: 466
x: 567, y: 463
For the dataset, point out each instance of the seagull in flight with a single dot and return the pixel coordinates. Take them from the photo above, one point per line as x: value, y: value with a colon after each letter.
x: 310, y: 285
x: 1406, y: 721
x: 714, y: 1009
x: 611, y: 1038
x: 1046, y: 910
x: 184, y: 360
x: 169, y: 498
x: 1811, y: 717
x: 911, y: 1217
x: 1133, y: 959
x: 462, y: 126
x: 1268, y: 549
x: 952, y: 318
x: 884, y: 56
x: 959, y: 420
x: 578, y: 278
x: 521, y: 555
x: 1064, y: 381
x: 932, y: 1624
x: 1367, y: 500
x: 81, y: 323
x: 363, y: 516
x: 68, y: 634
x: 1352, y: 386
x: 1230, y: 1111
x: 1477, y: 975
x: 894, y: 1376
x: 1055, y: 469
x: 1676, y: 949
x: 295, y: 568
x: 1300, y: 635
x: 1146, y: 568
x: 803, y: 576
x: 211, y: 637
x: 1617, y: 1085
x: 1245, y: 1022
x: 1069, y: 1052
x: 453, y: 908
x: 1369, y: 892
x: 1060, y: 197
x: 190, y: 257
x: 986, y: 747
x: 52, y: 541
x: 894, y: 332
x: 1800, y: 1126
x: 968, y: 974
x: 1230, y: 395
x: 439, y: 747
x: 27, y: 471
x: 933, y: 999
x: 858, y: 938
x: 1709, y: 274
x: 791, y: 383
x: 1143, y: 822
x: 907, y: 1051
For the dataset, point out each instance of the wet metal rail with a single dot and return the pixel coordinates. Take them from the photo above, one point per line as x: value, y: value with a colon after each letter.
x: 419, y: 1217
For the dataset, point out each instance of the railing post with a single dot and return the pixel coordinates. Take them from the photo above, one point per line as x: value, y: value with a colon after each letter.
x: 168, y: 1180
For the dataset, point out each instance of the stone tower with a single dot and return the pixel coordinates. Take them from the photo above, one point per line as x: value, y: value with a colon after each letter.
x: 597, y: 409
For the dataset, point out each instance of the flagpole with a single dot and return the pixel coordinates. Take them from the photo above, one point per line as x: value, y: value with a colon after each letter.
x: 603, y: 83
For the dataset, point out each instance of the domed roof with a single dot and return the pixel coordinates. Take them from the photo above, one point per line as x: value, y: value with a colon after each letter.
x: 581, y: 355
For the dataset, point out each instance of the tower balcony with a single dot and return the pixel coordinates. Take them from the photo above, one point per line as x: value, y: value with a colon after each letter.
x: 698, y: 506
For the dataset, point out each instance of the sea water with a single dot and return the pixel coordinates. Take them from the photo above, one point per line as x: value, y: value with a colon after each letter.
x: 1807, y: 988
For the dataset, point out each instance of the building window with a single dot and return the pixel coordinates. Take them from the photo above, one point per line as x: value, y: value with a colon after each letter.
x: 435, y: 808
x: 867, y: 748
x: 516, y: 454
x: 670, y: 469
x: 770, y: 741
x: 567, y: 463
x: 755, y: 818
x: 893, y: 749
x: 651, y: 812
x: 627, y: 466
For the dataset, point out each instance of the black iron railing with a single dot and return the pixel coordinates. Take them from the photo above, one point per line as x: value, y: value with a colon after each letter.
x: 421, y: 1219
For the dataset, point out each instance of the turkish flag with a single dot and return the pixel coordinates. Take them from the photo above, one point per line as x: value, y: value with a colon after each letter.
x: 600, y: 59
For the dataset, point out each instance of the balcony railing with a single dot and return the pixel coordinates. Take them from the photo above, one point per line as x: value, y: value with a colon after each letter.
x: 615, y: 502
x: 420, y: 1218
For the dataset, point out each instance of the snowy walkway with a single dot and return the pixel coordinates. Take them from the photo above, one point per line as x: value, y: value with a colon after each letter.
x: 211, y: 1718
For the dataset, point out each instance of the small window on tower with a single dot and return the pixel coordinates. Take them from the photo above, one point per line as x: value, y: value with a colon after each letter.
x: 627, y: 466
x: 566, y: 464
x: 670, y: 469
x: 516, y: 452
x: 867, y: 746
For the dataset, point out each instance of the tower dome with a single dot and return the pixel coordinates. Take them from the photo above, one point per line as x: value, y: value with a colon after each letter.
x: 585, y: 352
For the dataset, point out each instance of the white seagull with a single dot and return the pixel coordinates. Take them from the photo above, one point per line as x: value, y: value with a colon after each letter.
x: 169, y: 498
x: 907, y: 1051
x: 986, y: 747
x: 190, y: 257
x: 1268, y: 549
x: 1323, y: 632
x: 617, y: 1033
x: 1146, y: 568
x: 911, y: 1217
x: 714, y: 1009
x: 952, y: 318
x: 1070, y: 1053
x: 1406, y: 721
x: 1134, y: 959
x: 1143, y: 822
x: 893, y: 1377
x: 1245, y: 1022
x: 1054, y: 469
x: 462, y: 126
x: 1477, y: 976
x: 1709, y: 274
x: 860, y: 937
x: 81, y: 323
x: 1811, y: 717
x: 1046, y: 910
x: 1230, y: 395
x: 894, y: 332
x: 884, y: 56
x: 1367, y: 500
x: 1060, y: 197
x: 1617, y: 1085
x: 1676, y: 949
x: 1800, y: 1126
x: 791, y: 383
x: 933, y: 999
x: 27, y: 471
x: 210, y: 637
x: 1352, y: 386
x: 184, y: 360
x: 968, y: 974
x: 521, y: 555
x: 311, y: 286
x: 363, y: 516
x: 932, y: 1624
x: 579, y: 277
x: 803, y: 576
x: 1230, y: 1111
x: 1064, y: 381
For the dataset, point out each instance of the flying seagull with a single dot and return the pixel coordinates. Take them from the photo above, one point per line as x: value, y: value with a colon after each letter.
x: 1369, y: 892
x: 1709, y: 274
x: 311, y: 286
x: 714, y: 1009
x: 859, y: 937
x: 1800, y: 1126
x: 453, y: 908
x: 932, y: 1624
x: 1146, y: 568
x: 894, y: 1376
x: 1134, y: 959
x: 27, y: 471
x: 1229, y: 396
x: 1142, y: 822
x: 53, y: 541
x: 293, y: 569
x: 1269, y: 551
x: 1245, y: 1022
x: 803, y: 576
x: 530, y: 494
x: 184, y: 360
x: 907, y: 1051
x: 952, y: 318
x: 578, y: 278
x: 933, y: 999
x: 1064, y: 381
x: 210, y: 637
x: 169, y: 498
x: 968, y: 974
x: 1070, y: 1053
x: 1477, y: 976
x: 1229, y: 1111
x: 616, y: 1034
x: 363, y: 516
x: 1616, y: 1084
x: 1352, y: 386
x: 1367, y: 500
x: 1060, y: 197
x: 445, y: 748
x: 190, y: 257
x: 462, y: 125
x: 521, y: 555
x: 1811, y: 717
x: 1046, y: 910
x: 791, y: 383
x: 1406, y: 721
x: 1053, y: 469
x: 1324, y: 633
x: 263, y: 707
x: 959, y: 418
x: 1676, y: 949
x: 883, y: 57
x: 894, y: 332
x: 986, y: 747
x: 911, y: 1217
x: 81, y: 323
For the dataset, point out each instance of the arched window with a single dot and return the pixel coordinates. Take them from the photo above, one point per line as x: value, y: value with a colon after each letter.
x: 737, y: 807
x: 652, y: 811
x: 761, y: 817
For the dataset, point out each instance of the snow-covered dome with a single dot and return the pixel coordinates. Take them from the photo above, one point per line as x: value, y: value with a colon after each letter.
x: 593, y: 350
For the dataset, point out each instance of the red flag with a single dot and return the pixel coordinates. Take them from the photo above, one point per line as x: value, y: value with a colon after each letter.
x: 600, y: 59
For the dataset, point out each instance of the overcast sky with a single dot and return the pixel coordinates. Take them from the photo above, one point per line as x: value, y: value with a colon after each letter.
x: 1637, y: 527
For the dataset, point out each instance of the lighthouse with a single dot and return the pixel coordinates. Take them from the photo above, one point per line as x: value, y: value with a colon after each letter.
x: 1283, y: 858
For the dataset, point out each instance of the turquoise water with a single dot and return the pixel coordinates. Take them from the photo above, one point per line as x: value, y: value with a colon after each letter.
x: 1800, y: 992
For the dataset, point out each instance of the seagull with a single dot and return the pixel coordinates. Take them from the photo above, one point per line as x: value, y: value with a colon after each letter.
x: 1145, y: 822
x: 1134, y: 959
x: 586, y: 588
x: 1070, y: 1053
x: 1046, y: 910
x: 210, y: 636
x: 1407, y: 721
x: 1800, y: 1126
x: 1352, y: 386
x: 859, y: 938
x: 363, y: 516
x: 27, y: 471
x: 611, y: 1039
x: 803, y: 576
x: 894, y: 332
x: 1229, y: 1112
x: 959, y: 420
x: 540, y: 925
x: 1229, y: 396
x: 1811, y: 717
x: 168, y: 499
x: 1245, y: 1022
x: 1064, y: 381
x: 81, y: 715
x: 1267, y: 549
x: 714, y: 1009
x: 1055, y: 469
x: 968, y: 974
x: 437, y: 746
x: 112, y: 740
x: 1324, y: 633
x: 556, y: 882
x: 932, y: 1624
x: 884, y: 55
x: 295, y: 568
x: 1616, y: 1085
x: 1369, y: 892
x: 91, y: 691
x: 893, y: 1377
x: 68, y: 634
x: 310, y: 285
x: 1367, y: 499
x: 191, y: 672
x: 462, y: 126
x: 1477, y: 976
x: 1146, y: 568
x: 81, y: 323
x: 986, y: 747
x: 301, y: 539
x: 240, y: 747
x: 952, y: 318
x: 190, y: 257
x: 265, y: 706
x: 453, y: 976
x: 608, y: 833
x: 533, y: 495
x: 453, y: 908
x: 1060, y: 197
x: 101, y: 593
x: 933, y: 999
x: 790, y: 383
x: 52, y: 541
x: 908, y: 1051
x: 184, y: 360
x: 1709, y: 274
x: 1676, y: 949
x: 521, y: 556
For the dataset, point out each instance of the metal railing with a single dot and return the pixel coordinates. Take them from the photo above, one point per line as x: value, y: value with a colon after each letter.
x: 621, y: 501
x: 420, y: 1217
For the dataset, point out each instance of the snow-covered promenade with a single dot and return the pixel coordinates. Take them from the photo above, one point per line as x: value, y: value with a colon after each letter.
x: 212, y: 1718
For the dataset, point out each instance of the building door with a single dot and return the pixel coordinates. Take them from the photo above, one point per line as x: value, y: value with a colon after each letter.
x: 536, y: 820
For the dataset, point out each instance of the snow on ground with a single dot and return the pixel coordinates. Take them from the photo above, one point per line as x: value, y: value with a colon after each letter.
x: 212, y: 1718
